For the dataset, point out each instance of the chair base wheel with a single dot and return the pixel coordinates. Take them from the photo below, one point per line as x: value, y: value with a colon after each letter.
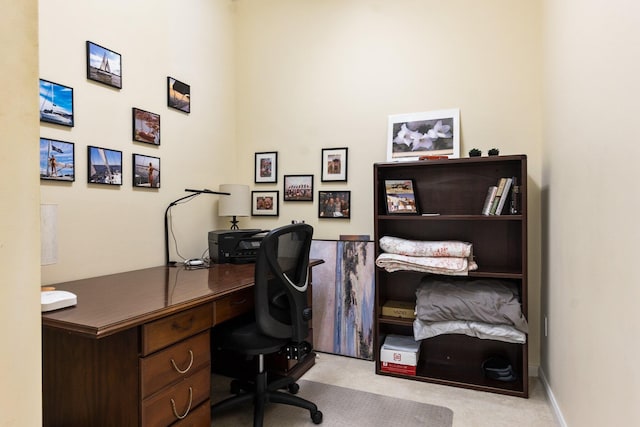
x: 316, y: 417
x: 235, y: 387
x: 293, y: 388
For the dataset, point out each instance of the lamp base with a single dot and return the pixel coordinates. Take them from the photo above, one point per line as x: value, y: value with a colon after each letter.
x: 234, y: 223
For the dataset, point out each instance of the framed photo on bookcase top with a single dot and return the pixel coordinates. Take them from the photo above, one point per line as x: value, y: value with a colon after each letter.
x: 400, y: 197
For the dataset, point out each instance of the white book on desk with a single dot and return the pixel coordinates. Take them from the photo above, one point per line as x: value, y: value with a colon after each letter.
x: 55, y: 300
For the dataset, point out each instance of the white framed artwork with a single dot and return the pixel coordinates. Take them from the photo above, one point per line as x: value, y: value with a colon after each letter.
x: 432, y: 134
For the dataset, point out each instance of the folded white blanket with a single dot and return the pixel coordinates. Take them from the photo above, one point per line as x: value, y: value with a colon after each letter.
x: 437, y: 265
x: 418, y: 248
x: 487, y: 331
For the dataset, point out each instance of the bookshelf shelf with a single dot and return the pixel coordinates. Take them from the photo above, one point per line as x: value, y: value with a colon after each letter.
x: 450, y: 218
x: 455, y: 189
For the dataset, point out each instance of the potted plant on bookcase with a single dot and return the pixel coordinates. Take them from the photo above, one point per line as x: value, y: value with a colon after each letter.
x: 474, y: 152
x: 493, y: 152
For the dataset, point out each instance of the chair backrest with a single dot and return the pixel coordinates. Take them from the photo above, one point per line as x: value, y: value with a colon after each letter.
x: 282, y: 266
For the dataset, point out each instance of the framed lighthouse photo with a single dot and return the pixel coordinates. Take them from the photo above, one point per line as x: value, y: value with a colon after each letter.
x: 104, y: 65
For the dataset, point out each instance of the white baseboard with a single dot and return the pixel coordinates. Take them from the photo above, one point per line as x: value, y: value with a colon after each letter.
x: 552, y: 400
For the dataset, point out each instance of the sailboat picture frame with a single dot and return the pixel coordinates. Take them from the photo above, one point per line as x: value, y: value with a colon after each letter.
x: 104, y: 65
x: 104, y: 166
x: 146, y: 171
x: 178, y: 95
x: 146, y: 126
x: 56, y: 103
x: 57, y: 160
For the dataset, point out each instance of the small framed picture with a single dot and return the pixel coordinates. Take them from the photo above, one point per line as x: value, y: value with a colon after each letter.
x: 57, y: 160
x: 400, y: 196
x: 146, y: 126
x: 334, y: 164
x: 266, y: 167
x: 56, y: 103
x: 104, y: 65
x: 104, y: 166
x: 334, y: 204
x: 146, y: 171
x: 264, y: 203
x: 178, y: 95
x: 298, y: 188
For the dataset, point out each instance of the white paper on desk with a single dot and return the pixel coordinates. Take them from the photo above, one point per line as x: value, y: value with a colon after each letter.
x: 401, y: 343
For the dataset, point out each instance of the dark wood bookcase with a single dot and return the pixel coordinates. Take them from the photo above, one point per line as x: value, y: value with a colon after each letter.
x: 455, y: 189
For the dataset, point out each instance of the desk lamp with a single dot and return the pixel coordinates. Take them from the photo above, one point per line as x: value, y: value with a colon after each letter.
x: 237, y: 204
x: 166, y: 214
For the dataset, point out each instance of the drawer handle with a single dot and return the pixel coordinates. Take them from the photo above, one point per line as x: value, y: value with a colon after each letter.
x: 173, y: 406
x: 240, y: 302
x: 183, y: 371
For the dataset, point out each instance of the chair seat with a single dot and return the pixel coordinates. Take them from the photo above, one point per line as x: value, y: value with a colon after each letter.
x: 247, y: 339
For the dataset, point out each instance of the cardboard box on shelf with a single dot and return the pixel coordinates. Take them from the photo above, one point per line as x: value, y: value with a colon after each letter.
x: 403, y: 309
x: 399, y: 357
x: 399, y: 354
x: 396, y: 368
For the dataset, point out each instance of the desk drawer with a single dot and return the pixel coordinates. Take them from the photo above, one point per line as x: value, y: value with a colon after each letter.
x: 176, y: 402
x: 173, y: 363
x: 164, y: 332
x: 232, y: 305
x: 199, y: 417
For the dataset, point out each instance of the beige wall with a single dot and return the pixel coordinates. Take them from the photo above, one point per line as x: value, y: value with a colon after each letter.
x: 315, y: 75
x: 296, y: 76
x: 104, y: 229
x: 20, y: 391
x: 590, y: 210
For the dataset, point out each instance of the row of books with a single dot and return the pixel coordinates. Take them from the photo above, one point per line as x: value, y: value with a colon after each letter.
x: 497, y: 196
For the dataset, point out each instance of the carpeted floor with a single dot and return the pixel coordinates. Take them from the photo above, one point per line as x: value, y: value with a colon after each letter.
x: 342, y: 407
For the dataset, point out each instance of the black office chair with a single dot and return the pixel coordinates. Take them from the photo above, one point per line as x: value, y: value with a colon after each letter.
x: 280, y: 324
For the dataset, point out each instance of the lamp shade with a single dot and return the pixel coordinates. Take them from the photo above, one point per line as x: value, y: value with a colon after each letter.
x: 238, y: 203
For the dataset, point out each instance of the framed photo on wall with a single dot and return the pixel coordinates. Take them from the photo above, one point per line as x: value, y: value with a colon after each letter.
x: 334, y: 204
x: 57, y: 160
x: 415, y: 135
x: 104, y: 65
x: 400, y: 196
x: 146, y: 171
x: 56, y: 103
x: 104, y: 166
x: 178, y: 95
x: 264, y: 203
x: 266, y: 167
x: 146, y: 126
x: 334, y: 164
x: 298, y: 188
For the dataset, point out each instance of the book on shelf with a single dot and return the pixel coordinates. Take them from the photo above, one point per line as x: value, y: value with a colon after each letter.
x: 488, y: 201
x: 494, y: 205
x: 500, y: 194
x: 505, y: 196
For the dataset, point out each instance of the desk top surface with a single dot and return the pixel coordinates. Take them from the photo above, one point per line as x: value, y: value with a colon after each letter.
x: 111, y: 303
x: 115, y: 302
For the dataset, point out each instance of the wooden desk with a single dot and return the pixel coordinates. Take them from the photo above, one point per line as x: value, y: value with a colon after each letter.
x: 135, y: 351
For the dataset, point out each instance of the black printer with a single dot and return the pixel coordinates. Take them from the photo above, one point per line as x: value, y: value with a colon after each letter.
x: 235, y: 246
